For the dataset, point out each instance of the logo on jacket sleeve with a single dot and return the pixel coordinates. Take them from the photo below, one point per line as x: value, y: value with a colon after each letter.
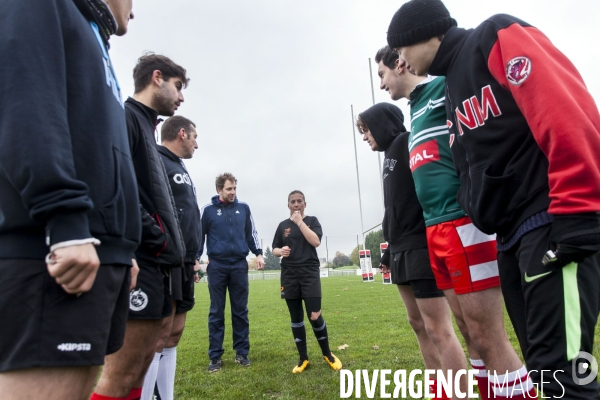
x: 518, y: 69
x: 424, y: 154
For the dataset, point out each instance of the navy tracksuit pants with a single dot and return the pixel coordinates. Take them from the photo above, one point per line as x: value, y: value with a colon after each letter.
x: 221, y: 278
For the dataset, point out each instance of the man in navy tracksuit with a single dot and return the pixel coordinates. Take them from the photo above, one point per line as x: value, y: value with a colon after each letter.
x: 230, y: 235
x: 69, y: 219
x: 525, y: 137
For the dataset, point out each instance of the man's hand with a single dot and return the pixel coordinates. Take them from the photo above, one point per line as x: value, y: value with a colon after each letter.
x: 384, y: 269
x: 296, y: 218
x: 573, y: 238
x: 260, y: 262
x: 74, y: 267
x: 134, y: 270
x: 196, y: 269
x: 285, y: 251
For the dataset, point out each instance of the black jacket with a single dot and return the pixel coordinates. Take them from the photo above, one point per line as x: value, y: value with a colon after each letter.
x: 525, y: 130
x: 162, y: 242
x: 184, y: 194
x: 403, y: 224
x: 65, y: 165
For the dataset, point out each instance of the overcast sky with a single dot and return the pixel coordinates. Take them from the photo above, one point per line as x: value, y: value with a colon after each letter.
x: 272, y: 82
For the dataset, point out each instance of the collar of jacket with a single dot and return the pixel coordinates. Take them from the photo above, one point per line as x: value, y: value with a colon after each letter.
x: 168, y: 153
x: 150, y: 113
x: 448, y: 50
x: 216, y: 202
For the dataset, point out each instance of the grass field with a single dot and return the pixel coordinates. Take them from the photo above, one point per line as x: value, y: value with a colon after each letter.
x: 361, y: 315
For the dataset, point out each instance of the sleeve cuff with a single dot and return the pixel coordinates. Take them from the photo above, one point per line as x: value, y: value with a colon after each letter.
x: 70, y: 243
x: 67, y: 227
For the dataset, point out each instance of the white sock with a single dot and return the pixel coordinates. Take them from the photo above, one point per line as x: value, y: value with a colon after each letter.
x: 166, y: 373
x: 150, y: 379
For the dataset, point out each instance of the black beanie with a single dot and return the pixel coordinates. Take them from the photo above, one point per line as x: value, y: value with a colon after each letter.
x: 385, y: 121
x: 417, y: 21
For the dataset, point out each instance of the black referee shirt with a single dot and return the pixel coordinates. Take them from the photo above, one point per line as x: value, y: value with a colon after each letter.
x: 302, y: 253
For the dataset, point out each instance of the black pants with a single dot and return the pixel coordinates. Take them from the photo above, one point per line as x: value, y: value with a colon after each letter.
x: 554, y: 313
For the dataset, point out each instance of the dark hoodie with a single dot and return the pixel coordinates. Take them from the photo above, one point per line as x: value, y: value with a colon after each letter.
x: 65, y: 165
x: 403, y: 224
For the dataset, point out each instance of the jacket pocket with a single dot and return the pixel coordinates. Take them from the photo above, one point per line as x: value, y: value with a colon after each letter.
x: 113, y: 213
x: 493, y: 200
x: 121, y: 215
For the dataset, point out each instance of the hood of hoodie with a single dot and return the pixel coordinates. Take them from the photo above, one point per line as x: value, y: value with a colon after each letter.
x: 217, y: 202
x: 385, y: 121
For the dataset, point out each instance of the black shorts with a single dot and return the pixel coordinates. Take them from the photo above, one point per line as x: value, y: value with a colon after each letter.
x: 300, y: 282
x: 186, y: 278
x: 412, y: 267
x: 151, y: 298
x: 43, y: 326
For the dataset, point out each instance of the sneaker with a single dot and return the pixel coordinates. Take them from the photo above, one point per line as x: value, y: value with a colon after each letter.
x: 302, y: 365
x: 243, y: 360
x: 215, y: 365
x: 336, y: 365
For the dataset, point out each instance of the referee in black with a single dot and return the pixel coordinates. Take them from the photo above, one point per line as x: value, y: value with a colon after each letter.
x: 296, y: 240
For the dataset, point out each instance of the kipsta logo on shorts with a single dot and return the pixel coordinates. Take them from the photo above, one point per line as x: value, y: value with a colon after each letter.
x: 138, y: 300
x: 518, y: 69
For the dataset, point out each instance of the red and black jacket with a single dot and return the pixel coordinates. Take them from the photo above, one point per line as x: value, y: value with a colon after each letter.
x: 525, y: 131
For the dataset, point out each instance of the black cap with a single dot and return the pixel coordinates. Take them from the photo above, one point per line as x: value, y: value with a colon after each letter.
x: 417, y: 21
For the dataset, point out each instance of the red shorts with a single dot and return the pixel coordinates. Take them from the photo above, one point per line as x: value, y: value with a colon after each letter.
x: 462, y: 257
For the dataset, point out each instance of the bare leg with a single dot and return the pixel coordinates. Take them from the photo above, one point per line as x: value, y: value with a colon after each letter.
x: 429, y: 351
x: 176, y: 330
x: 165, y: 330
x: 438, y: 323
x: 167, y: 365
x: 460, y: 322
x: 69, y: 383
x: 483, y: 314
x: 126, y: 368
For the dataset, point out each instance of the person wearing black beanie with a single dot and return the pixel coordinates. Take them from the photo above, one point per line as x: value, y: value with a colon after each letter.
x: 407, y: 256
x: 417, y: 21
x: 519, y: 146
x: 417, y: 27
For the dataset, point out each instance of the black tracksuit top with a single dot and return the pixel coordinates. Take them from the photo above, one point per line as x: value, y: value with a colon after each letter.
x: 184, y: 194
